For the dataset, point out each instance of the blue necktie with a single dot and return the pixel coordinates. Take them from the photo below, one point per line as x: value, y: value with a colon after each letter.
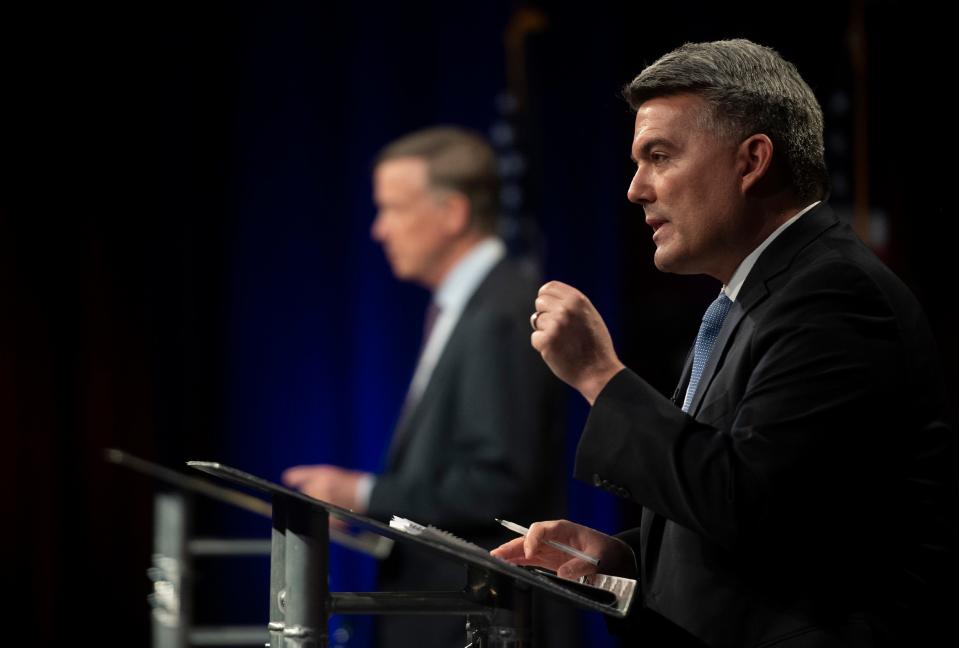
x: 708, y: 332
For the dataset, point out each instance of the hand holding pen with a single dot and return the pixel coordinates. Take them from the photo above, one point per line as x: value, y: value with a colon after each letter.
x: 566, y: 549
x: 582, y: 550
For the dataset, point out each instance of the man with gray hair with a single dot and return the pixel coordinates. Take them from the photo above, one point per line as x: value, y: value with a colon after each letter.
x: 480, y: 433
x: 798, y: 489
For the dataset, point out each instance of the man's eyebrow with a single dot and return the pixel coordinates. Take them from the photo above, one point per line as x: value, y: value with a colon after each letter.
x: 649, y: 144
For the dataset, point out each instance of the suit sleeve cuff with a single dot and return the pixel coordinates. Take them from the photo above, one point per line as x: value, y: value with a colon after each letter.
x: 364, y: 488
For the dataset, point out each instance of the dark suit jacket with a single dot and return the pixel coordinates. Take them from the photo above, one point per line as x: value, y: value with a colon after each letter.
x: 484, y: 441
x: 807, y: 498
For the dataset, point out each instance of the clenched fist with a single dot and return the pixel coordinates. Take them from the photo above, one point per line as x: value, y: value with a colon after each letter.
x: 573, y: 340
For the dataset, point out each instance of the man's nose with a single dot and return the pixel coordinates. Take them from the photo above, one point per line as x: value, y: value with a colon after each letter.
x: 640, y: 191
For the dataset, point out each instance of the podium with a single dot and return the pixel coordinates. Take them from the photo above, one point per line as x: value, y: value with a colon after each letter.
x: 495, y: 599
x: 175, y: 550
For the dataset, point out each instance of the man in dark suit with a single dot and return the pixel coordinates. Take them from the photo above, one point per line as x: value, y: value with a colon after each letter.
x: 798, y: 490
x: 480, y: 434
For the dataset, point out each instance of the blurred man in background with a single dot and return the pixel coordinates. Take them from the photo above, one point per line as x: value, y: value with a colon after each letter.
x: 480, y: 433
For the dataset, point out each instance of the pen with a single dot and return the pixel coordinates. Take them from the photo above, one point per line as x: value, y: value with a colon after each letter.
x: 512, y: 526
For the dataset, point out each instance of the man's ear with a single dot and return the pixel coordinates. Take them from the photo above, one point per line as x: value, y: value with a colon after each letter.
x: 457, y: 208
x: 754, y: 158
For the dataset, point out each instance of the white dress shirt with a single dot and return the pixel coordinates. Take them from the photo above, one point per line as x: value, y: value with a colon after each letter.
x: 742, y: 271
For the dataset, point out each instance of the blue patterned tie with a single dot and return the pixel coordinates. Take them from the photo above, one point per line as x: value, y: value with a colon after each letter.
x: 708, y: 332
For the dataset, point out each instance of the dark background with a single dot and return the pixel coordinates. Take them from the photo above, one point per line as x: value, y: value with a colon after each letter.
x: 186, y: 273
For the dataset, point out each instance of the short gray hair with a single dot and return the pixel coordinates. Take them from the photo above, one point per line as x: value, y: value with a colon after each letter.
x: 748, y: 89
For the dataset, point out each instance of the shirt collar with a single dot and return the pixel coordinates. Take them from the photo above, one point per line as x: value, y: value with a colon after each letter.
x: 739, y: 276
x: 459, y: 283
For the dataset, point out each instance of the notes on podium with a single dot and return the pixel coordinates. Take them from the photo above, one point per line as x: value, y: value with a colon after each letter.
x: 614, y: 591
x: 594, y: 593
x: 611, y: 595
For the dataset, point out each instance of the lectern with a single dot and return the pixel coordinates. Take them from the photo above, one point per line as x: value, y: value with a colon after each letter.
x: 495, y: 600
x: 175, y: 549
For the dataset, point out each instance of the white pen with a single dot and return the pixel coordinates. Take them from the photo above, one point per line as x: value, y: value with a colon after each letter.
x: 520, y: 529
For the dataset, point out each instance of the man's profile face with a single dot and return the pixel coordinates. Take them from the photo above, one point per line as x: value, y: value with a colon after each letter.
x: 410, y: 221
x: 686, y: 182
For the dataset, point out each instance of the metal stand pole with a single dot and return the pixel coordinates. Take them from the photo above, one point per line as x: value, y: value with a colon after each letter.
x: 506, y: 621
x: 303, y: 599
x: 510, y: 628
x: 171, y: 599
x: 277, y: 573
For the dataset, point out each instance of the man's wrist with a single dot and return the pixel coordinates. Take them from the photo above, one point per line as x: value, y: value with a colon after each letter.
x: 594, y: 385
x: 364, y: 489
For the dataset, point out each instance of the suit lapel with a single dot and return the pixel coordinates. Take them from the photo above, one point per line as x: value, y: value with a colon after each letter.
x: 679, y: 395
x: 774, y: 260
x: 413, y: 410
x: 401, y: 432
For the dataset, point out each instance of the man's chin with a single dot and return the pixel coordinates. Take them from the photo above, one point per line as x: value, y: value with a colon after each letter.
x: 400, y: 272
x: 407, y: 275
x: 663, y: 261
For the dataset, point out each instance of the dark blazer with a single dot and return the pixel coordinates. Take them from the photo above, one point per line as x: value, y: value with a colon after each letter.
x: 807, y: 499
x: 484, y: 441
